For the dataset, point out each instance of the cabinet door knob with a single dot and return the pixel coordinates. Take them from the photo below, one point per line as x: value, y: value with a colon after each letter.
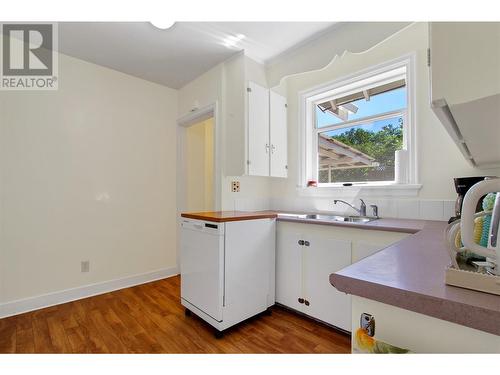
x: 301, y: 300
x: 306, y: 243
x: 301, y: 242
x: 306, y: 302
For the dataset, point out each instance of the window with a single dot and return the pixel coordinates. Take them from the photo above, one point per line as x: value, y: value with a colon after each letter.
x: 358, y: 134
x: 355, y: 127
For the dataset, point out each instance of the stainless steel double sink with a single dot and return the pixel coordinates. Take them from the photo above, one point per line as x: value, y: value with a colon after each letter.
x: 323, y: 217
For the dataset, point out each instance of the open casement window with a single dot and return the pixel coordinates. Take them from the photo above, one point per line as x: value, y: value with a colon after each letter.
x: 358, y: 129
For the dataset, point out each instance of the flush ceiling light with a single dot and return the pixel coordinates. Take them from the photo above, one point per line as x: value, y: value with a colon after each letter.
x: 162, y: 24
x: 232, y: 40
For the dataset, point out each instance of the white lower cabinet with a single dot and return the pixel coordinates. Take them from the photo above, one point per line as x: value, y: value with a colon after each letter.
x: 288, y: 268
x: 304, y: 262
x: 417, y: 332
x: 323, y: 256
x: 306, y: 255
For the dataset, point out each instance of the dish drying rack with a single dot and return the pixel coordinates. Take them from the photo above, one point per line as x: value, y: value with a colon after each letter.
x: 466, y: 276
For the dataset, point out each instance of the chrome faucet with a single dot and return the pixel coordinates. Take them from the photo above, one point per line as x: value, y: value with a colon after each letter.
x: 362, y: 208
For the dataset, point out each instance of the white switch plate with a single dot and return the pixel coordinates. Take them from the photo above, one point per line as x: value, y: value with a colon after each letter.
x: 85, y: 266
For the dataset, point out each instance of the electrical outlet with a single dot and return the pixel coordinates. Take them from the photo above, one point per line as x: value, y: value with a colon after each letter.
x: 367, y: 322
x: 85, y: 266
x: 235, y: 186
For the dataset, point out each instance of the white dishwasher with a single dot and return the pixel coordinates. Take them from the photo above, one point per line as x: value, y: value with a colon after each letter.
x: 202, y: 266
x: 227, y: 269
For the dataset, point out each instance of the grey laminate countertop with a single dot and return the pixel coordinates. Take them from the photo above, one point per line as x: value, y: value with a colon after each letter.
x: 410, y: 274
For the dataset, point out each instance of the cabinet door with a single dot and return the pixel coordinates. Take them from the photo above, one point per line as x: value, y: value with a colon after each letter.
x: 258, y: 130
x: 464, y: 61
x: 288, y: 268
x: 322, y: 257
x: 465, y: 87
x: 278, y: 134
x: 248, y: 267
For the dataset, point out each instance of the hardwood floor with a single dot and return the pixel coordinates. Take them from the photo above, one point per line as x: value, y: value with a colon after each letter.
x: 150, y: 319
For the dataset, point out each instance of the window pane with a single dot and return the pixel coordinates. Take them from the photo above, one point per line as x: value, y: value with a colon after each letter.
x: 360, y: 153
x: 326, y: 119
x: 386, y: 102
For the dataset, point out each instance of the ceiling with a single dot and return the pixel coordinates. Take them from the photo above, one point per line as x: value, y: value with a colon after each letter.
x: 175, y: 56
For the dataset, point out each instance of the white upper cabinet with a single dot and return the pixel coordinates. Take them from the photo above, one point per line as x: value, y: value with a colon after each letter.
x: 259, y: 146
x: 267, y: 132
x: 278, y: 132
x: 256, y: 121
x: 465, y: 86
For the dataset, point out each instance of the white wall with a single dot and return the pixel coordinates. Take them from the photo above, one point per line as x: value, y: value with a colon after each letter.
x: 86, y: 173
x: 255, y: 193
x: 202, y: 91
x: 439, y: 160
x: 351, y: 36
x: 233, y: 123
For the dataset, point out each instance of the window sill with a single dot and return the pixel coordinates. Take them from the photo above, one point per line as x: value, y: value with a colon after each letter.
x: 373, y: 190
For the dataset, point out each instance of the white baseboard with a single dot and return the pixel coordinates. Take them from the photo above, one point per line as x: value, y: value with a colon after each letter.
x: 50, y: 299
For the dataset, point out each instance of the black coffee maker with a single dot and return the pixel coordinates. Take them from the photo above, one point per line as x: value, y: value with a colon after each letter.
x: 462, y: 186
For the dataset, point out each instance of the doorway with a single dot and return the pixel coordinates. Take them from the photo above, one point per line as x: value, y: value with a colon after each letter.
x: 198, y: 161
x: 199, y: 166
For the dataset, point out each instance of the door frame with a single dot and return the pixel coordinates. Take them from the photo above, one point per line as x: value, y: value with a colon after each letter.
x: 184, y: 122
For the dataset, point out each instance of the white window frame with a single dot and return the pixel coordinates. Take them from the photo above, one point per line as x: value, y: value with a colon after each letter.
x: 382, y: 73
